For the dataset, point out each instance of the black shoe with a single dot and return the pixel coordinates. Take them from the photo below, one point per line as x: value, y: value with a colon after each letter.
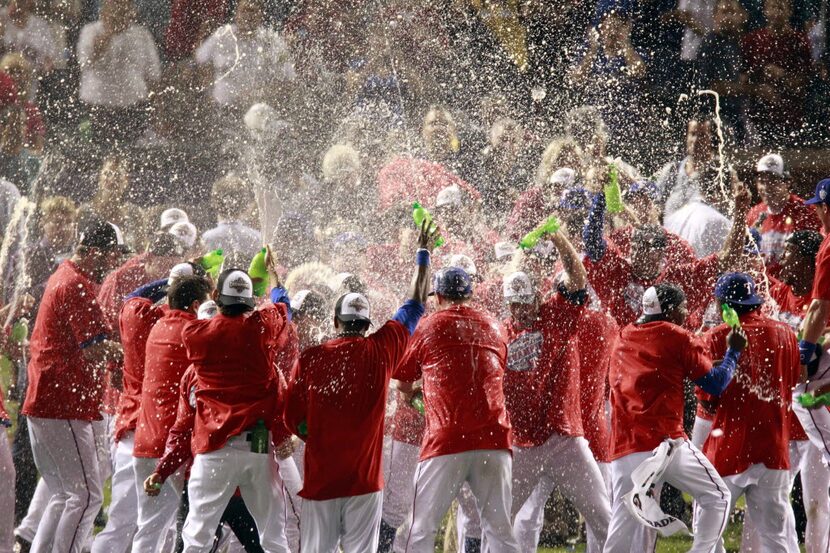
x: 21, y: 545
x: 100, y: 518
x: 387, y: 537
x: 472, y: 545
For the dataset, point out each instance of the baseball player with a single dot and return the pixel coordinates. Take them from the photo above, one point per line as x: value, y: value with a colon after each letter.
x: 542, y: 395
x: 461, y: 355
x: 792, y: 294
x: 237, y: 407
x: 7, y: 473
x: 69, y: 343
x: 751, y: 453
x: 649, y: 363
x: 620, y: 281
x: 138, y: 315
x: 816, y: 422
x: 165, y: 363
x: 338, y: 390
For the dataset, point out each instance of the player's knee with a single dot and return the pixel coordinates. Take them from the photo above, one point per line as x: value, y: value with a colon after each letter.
x: 715, y: 499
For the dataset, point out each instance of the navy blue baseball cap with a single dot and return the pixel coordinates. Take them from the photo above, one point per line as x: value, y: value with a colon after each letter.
x: 822, y: 195
x: 737, y: 289
x: 453, y: 283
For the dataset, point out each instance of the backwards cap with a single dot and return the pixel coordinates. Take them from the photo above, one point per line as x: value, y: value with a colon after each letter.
x: 352, y: 307
x: 103, y: 235
x: 170, y: 217
x: 235, y: 288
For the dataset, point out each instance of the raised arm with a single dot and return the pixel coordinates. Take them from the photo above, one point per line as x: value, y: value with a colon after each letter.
x: 592, y: 237
x: 577, y: 275
x: 413, y: 308
x: 733, y: 246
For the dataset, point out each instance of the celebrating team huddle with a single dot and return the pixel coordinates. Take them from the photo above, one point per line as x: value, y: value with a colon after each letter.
x: 235, y: 412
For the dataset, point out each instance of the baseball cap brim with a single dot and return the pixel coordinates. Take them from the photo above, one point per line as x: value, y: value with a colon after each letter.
x: 750, y: 301
x: 525, y: 299
x: 236, y: 300
x: 814, y: 200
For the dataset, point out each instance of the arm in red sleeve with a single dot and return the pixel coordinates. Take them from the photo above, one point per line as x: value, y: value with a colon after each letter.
x: 177, y: 449
x: 296, y: 400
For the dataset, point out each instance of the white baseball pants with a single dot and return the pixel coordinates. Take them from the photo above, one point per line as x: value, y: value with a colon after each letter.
x: 117, y: 536
x: 467, y: 521
x: 816, y: 422
x: 6, y: 494
x: 156, y: 515
x: 700, y: 431
x: 690, y: 471
x: 805, y: 459
x: 66, y: 457
x: 568, y: 462
x: 527, y: 526
x: 293, y: 503
x: 767, y: 502
x: 353, y: 521
x: 437, y: 483
x: 214, y: 479
x: 28, y: 526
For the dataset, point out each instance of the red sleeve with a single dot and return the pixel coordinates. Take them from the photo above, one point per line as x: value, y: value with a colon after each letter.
x: 86, y: 320
x: 409, y: 368
x: 177, y: 448
x: 296, y: 398
x: 821, y: 284
x: 390, y: 342
x: 806, y: 219
x: 696, y: 359
x: 609, y: 275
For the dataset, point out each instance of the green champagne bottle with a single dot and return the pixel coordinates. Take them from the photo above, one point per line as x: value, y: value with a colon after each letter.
x: 730, y: 316
x: 549, y: 226
x: 417, y: 402
x: 419, y: 215
x: 258, y: 273
x: 259, y: 437
x: 212, y: 261
x: 613, y: 195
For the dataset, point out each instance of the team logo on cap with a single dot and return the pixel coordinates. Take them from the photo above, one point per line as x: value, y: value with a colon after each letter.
x: 518, y: 286
x: 239, y: 284
x: 358, y: 304
x: 822, y: 194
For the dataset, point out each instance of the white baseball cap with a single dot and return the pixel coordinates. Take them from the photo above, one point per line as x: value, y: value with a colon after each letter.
x: 352, y: 307
x: 564, y: 176
x: 185, y: 232
x: 298, y: 299
x: 207, y: 310
x: 651, y: 303
x: 463, y: 262
x: 505, y: 249
x: 772, y: 163
x: 518, y: 288
x: 178, y: 271
x: 449, y: 196
x: 236, y: 288
x: 170, y: 217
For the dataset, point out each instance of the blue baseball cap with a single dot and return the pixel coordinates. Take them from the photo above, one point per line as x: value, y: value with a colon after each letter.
x: 737, y: 289
x: 645, y: 187
x: 453, y: 283
x: 822, y: 195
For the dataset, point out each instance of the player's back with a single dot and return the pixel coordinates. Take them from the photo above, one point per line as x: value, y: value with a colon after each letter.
x: 753, y: 411
x: 344, y: 382
x: 461, y: 353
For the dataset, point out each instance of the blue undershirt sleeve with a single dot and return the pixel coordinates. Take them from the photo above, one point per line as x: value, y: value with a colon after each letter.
x: 715, y: 381
x: 595, y: 244
x: 409, y: 314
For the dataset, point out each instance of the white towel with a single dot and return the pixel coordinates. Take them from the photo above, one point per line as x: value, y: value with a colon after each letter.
x: 641, y: 501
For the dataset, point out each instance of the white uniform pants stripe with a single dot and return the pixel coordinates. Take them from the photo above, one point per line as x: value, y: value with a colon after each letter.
x: 66, y: 457
x: 437, y: 483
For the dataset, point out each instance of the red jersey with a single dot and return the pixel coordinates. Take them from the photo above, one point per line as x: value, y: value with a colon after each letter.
x: 407, y: 423
x: 62, y: 384
x: 622, y: 293
x: 339, y: 390
x: 137, y: 318
x: 753, y: 411
x: 461, y: 354
x: 649, y: 363
x: 597, y: 334
x: 164, y: 365
x: 285, y: 360
x: 776, y: 228
x: 234, y: 363
x: 177, y: 445
x: 541, y: 384
x: 821, y: 282
x: 678, y: 251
